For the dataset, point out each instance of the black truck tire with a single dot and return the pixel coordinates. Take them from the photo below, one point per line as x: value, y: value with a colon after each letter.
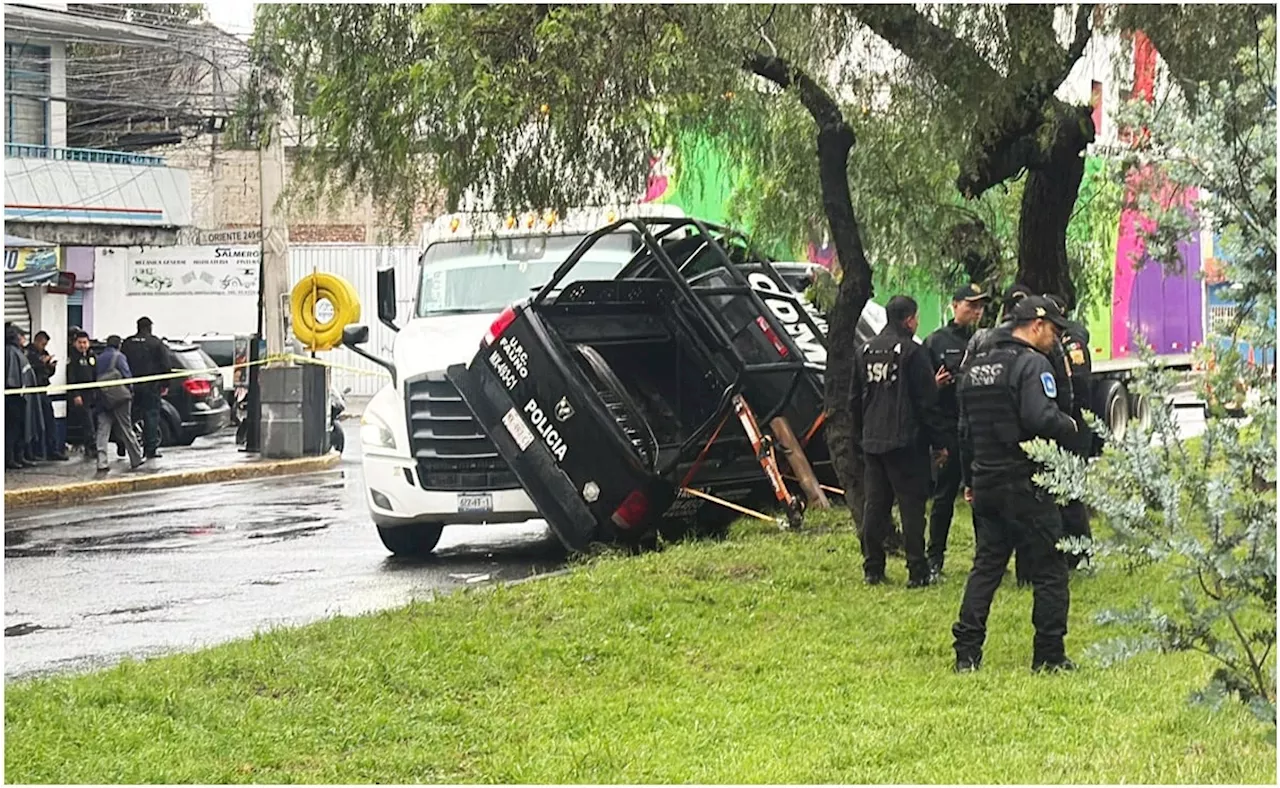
x: 1111, y: 401
x: 411, y: 541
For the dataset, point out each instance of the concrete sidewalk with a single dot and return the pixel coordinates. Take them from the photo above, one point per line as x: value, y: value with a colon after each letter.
x: 215, y: 458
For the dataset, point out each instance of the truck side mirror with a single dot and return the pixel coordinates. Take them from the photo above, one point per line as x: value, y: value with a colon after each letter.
x: 387, y: 298
x: 355, y: 335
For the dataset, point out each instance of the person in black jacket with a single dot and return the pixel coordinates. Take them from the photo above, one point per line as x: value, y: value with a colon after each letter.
x: 895, y: 400
x: 81, y: 368
x: 946, y: 348
x: 147, y: 355
x: 45, y: 365
x: 1009, y: 395
x: 17, y: 375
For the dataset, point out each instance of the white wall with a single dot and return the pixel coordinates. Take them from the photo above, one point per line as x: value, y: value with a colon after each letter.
x: 117, y: 312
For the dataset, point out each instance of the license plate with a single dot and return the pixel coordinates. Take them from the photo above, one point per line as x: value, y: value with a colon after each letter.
x: 520, y: 431
x: 475, y: 502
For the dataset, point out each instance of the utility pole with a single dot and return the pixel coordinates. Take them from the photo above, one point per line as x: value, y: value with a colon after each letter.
x: 275, y: 234
x: 273, y: 265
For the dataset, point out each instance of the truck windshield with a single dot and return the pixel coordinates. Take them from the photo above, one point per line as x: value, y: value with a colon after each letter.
x: 487, y: 275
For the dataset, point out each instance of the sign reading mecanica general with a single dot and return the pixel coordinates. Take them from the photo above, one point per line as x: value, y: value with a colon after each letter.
x: 193, y: 270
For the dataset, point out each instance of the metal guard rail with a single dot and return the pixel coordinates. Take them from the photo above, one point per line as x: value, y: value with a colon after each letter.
x: 13, y: 150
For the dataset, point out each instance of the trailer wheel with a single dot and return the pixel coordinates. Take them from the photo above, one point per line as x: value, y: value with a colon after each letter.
x: 1140, y: 410
x: 1114, y: 400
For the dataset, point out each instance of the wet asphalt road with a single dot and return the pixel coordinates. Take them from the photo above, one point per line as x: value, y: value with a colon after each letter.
x: 179, y: 569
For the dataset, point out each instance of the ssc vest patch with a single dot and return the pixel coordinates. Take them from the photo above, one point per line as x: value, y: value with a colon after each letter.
x: 1049, y: 385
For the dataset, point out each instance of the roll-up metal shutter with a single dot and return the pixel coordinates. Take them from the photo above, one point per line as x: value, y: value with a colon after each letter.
x: 15, y: 306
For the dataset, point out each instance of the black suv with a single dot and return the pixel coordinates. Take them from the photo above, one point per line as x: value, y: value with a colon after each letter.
x: 197, y: 405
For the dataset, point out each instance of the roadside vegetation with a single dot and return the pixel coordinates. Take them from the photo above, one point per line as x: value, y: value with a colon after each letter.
x: 762, y: 658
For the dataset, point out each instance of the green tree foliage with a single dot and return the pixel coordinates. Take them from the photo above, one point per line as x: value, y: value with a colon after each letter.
x: 1205, y: 509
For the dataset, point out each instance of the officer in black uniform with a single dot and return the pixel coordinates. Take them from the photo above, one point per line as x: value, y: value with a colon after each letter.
x: 82, y: 369
x: 985, y: 338
x: 1075, y: 350
x: 895, y: 396
x: 147, y: 355
x: 1009, y: 395
x: 946, y: 348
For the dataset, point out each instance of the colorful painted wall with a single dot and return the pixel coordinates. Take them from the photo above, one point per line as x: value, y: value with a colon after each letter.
x: 1167, y: 308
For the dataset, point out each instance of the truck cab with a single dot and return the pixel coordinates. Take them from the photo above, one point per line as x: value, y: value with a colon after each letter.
x: 427, y: 463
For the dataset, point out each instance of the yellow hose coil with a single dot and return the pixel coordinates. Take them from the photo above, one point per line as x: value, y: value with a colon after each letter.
x: 307, y: 293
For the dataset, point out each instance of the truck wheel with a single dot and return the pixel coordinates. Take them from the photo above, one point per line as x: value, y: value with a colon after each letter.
x: 1140, y: 410
x: 411, y: 541
x: 1114, y: 401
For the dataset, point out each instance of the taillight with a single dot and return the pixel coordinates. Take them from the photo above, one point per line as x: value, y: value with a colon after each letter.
x: 501, y: 324
x: 197, y: 387
x: 771, y: 336
x: 632, y: 511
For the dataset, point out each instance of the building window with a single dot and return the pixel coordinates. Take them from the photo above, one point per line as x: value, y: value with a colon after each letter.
x: 26, y: 94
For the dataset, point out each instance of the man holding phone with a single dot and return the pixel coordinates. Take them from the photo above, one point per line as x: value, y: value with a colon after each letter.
x: 946, y: 348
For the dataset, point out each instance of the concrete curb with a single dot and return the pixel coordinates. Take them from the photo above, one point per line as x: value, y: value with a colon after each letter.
x: 79, y: 492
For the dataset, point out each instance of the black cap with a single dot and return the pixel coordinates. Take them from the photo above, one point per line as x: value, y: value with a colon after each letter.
x: 1016, y: 290
x: 144, y: 322
x: 971, y: 292
x: 1035, y: 307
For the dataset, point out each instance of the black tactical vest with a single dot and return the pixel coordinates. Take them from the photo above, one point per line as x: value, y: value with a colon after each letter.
x: 988, y: 396
x: 888, y: 422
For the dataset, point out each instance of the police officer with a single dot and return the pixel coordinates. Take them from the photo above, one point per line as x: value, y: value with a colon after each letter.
x: 82, y: 369
x: 1009, y: 395
x: 985, y: 338
x: 946, y: 347
x: 147, y: 355
x: 1079, y: 362
x: 895, y: 396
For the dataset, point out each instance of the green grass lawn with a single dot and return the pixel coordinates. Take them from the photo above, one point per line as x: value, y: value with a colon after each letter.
x: 759, y: 659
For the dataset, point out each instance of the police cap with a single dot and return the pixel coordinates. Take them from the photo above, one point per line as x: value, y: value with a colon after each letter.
x: 1035, y: 307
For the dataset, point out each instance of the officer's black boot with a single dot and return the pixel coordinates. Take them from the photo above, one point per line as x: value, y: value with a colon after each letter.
x: 873, y: 578
x: 968, y: 663
x: 1056, y: 665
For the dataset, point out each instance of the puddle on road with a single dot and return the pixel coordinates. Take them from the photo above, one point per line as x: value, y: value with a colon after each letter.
x: 26, y: 628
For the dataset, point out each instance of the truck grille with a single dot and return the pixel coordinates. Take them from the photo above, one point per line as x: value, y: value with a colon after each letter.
x: 452, y: 451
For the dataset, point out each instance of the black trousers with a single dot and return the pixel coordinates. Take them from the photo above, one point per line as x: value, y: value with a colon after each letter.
x: 15, y: 428
x: 1016, y: 515
x: 945, y: 488
x: 1075, y: 522
x: 901, y: 475
x: 146, y: 407
x: 80, y: 425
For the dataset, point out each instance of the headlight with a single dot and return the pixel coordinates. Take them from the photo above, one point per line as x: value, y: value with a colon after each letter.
x: 375, y: 433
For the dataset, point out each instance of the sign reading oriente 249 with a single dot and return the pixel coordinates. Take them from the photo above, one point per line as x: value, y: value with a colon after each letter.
x: 193, y: 270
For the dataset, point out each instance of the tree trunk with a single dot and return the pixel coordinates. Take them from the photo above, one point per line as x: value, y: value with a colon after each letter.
x: 835, y: 141
x: 834, y: 144
x: 1048, y: 200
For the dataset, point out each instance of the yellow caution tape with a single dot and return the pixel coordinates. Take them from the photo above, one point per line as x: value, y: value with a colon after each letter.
x: 309, y: 292
x: 98, y: 384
